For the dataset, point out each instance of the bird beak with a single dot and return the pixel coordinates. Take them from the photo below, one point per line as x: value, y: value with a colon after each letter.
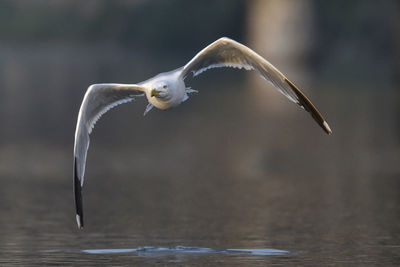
x: 154, y: 92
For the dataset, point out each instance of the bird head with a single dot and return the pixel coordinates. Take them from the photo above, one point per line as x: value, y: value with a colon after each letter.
x: 160, y: 90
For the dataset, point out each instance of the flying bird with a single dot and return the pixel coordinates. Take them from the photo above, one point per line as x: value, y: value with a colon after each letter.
x: 167, y: 90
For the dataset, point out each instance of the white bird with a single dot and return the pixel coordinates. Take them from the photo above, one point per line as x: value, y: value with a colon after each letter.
x: 167, y: 90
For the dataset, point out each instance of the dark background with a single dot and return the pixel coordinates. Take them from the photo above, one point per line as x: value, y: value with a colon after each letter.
x: 236, y: 165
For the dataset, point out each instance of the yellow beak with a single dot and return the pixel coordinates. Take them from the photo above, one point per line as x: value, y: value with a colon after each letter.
x: 154, y: 92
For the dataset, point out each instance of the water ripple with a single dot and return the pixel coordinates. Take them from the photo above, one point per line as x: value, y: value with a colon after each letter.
x: 152, y: 251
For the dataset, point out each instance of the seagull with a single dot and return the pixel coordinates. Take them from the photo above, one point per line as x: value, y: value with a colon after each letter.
x: 167, y: 90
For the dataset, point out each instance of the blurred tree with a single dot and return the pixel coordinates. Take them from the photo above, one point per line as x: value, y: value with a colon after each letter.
x: 355, y: 42
x: 282, y: 32
x: 397, y: 55
x: 50, y: 51
x: 150, y: 24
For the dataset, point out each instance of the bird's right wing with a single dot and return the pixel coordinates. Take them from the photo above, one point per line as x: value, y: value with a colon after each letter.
x: 99, y: 98
x: 226, y: 52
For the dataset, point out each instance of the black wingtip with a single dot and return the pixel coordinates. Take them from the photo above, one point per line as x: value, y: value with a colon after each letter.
x: 78, y: 198
x: 308, y: 106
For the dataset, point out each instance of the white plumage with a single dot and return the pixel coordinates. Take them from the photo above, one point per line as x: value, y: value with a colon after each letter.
x: 168, y: 90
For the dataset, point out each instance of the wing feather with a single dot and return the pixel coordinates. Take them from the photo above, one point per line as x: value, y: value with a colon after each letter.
x: 99, y: 98
x: 228, y: 53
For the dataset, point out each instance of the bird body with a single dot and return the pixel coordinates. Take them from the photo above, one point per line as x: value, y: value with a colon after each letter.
x: 167, y: 90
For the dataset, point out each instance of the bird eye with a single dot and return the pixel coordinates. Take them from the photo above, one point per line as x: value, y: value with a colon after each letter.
x: 164, y: 86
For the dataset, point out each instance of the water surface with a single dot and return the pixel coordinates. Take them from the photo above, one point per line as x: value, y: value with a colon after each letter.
x: 217, y: 186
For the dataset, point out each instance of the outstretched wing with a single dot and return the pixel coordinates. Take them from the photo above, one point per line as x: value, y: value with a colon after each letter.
x: 99, y: 98
x: 226, y: 52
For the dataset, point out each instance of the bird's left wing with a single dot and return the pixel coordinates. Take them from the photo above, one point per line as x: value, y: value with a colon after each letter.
x: 99, y: 98
x: 228, y: 53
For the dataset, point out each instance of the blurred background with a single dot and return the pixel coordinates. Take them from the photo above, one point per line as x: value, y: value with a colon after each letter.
x: 237, y: 165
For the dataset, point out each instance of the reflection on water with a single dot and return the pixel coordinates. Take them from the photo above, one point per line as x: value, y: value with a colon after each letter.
x: 152, y: 251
